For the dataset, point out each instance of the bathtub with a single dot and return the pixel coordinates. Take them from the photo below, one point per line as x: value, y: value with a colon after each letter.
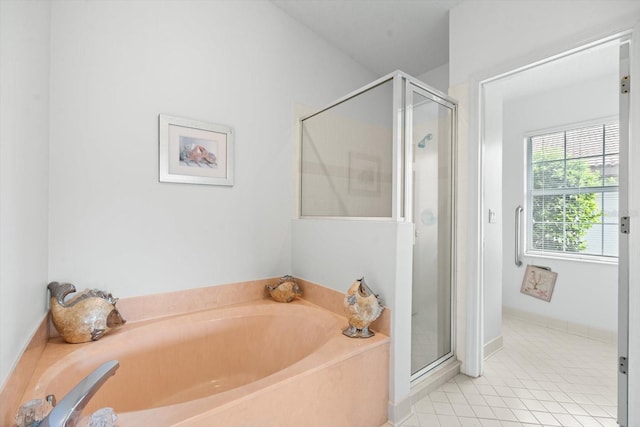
x: 255, y: 364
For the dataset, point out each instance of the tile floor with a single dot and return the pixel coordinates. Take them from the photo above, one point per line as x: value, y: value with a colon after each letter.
x: 542, y: 377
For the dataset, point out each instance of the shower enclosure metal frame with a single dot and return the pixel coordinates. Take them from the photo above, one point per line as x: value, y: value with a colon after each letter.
x: 402, y: 171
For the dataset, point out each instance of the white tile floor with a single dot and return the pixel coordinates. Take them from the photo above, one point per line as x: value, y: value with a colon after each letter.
x: 542, y: 377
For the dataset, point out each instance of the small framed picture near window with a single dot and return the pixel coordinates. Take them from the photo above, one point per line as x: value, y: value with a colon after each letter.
x: 538, y: 282
x: 193, y: 152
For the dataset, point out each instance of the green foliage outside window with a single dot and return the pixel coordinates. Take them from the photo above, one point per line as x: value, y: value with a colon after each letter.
x: 561, y: 221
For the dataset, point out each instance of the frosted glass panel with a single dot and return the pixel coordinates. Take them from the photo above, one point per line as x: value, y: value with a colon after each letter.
x: 432, y: 203
x: 347, y: 157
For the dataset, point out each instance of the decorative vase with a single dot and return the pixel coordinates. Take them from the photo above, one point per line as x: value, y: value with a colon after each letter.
x: 362, y: 307
x: 286, y: 290
x: 86, y: 316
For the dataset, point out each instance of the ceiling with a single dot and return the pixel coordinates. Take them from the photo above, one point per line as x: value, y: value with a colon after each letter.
x: 381, y: 35
x: 597, y: 62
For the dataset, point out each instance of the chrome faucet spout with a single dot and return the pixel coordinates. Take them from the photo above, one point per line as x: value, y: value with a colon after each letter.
x: 67, y: 412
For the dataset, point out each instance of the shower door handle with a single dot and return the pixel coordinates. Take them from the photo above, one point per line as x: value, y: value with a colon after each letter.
x: 517, y: 249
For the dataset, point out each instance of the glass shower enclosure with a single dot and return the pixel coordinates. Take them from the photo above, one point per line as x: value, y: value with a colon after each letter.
x: 387, y: 152
x: 432, y: 214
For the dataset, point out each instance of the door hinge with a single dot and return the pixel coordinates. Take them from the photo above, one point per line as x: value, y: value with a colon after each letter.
x: 623, y: 365
x: 625, y: 84
x: 625, y: 225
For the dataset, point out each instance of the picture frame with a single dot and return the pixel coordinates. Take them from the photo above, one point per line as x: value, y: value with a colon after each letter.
x: 364, y: 174
x: 194, y: 152
x: 539, y: 282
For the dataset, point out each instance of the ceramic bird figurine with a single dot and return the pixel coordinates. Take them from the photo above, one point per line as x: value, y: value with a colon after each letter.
x: 86, y: 316
x: 362, y: 307
x: 285, y: 290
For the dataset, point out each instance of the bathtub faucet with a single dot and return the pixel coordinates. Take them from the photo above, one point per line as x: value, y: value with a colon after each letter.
x: 67, y: 412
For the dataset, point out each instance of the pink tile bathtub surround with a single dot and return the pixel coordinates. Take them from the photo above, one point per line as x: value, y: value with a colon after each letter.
x: 148, y: 307
x: 229, y: 355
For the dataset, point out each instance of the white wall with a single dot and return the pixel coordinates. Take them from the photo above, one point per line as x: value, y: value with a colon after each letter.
x: 82, y: 86
x: 438, y: 78
x: 24, y: 167
x: 488, y: 37
x: 115, y: 67
x: 585, y: 293
x: 493, y: 231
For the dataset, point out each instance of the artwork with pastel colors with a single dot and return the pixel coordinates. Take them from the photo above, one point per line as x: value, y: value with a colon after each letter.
x: 538, y: 282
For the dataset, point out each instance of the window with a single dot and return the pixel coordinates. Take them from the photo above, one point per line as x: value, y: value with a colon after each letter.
x: 573, y: 191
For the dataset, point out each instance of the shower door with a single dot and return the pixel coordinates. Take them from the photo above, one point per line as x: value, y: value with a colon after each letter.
x: 430, y: 146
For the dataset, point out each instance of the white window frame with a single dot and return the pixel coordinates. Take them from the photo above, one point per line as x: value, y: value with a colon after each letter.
x: 530, y: 192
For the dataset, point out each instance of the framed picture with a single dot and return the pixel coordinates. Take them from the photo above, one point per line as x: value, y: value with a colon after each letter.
x: 364, y: 174
x: 538, y: 282
x: 193, y: 152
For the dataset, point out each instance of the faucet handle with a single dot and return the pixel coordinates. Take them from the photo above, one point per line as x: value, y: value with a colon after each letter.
x: 68, y: 410
x: 104, y: 417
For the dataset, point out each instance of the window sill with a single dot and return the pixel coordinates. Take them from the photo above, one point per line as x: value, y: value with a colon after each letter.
x: 578, y: 258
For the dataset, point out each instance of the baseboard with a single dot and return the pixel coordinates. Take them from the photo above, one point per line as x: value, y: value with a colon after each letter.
x: 492, y: 347
x: 399, y: 412
x: 434, y: 379
x: 562, y: 325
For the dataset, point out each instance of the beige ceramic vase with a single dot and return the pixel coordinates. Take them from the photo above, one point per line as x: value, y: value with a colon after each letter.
x: 86, y: 316
x: 286, y: 290
x: 362, y: 307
